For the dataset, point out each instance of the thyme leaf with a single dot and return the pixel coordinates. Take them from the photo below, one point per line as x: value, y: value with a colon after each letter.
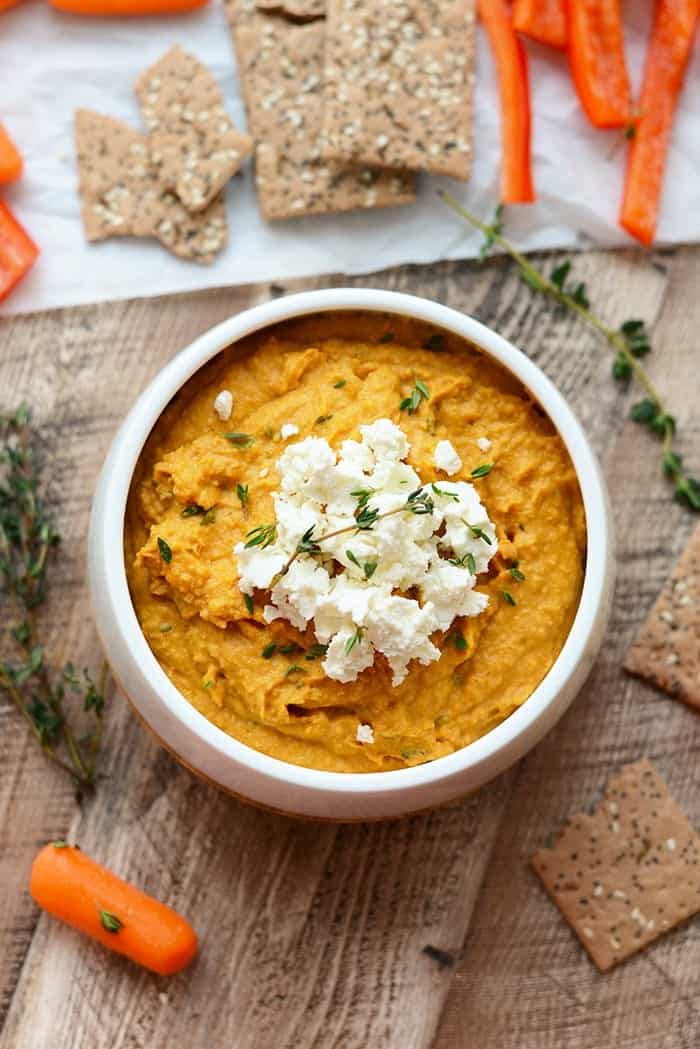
x: 294, y: 668
x: 420, y: 392
x: 261, y: 535
x: 164, y: 549
x: 110, y: 922
x: 242, y: 440
x: 354, y: 639
x: 193, y: 510
x: 479, y: 533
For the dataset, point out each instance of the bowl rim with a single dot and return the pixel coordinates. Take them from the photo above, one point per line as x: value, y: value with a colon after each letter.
x: 127, y: 446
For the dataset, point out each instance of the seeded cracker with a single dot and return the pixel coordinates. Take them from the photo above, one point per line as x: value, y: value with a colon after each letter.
x: 628, y: 873
x: 122, y: 194
x: 303, y: 10
x: 281, y: 66
x: 667, y: 648
x: 398, y: 84
x: 193, y: 141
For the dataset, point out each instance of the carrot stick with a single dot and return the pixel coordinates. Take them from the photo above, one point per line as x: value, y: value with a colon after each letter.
x: 121, y: 8
x: 5, y: 5
x: 10, y: 159
x: 18, y: 252
x: 80, y: 892
x: 543, y: 20
x: 514, y: 90
x: 597, y: 60
x: 669, y: 48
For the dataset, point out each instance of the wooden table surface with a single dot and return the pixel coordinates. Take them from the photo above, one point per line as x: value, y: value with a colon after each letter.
x: 313, y: 936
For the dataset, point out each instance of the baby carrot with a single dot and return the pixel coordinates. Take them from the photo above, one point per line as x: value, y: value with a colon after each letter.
x: 80, y: 892
x: 10, y: 159
x: 125, y: 8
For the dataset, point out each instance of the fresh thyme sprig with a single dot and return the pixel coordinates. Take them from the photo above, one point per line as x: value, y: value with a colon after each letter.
x: 630, y: 343
x: 418, y: 502
x: 420, y: 392
x: 28, y: 541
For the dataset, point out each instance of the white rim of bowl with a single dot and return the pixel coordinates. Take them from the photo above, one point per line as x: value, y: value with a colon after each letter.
x: 144, y: 415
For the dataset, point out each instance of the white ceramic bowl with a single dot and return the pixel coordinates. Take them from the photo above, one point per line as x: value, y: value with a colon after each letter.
x: 276, y: 784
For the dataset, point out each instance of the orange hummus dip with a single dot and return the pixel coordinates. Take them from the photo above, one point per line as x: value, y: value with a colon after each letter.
x: 197, y: 493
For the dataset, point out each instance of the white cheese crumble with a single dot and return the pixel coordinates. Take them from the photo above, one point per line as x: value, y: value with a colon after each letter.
x: 288, y: 430
x: 223, y: 405
x: 483, y: 443
x: 352, y: 587
x: 446, y: 458
x: 364, y: 734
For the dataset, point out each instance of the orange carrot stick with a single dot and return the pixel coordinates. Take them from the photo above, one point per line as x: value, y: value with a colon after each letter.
x: 122, y: 8
x: 80, y: 892
x: 543, y: 20
x: 514, y: 90
x: 10, y: 159
x: 5, y: 5
x: 667, y: 56
x: 597, y: 60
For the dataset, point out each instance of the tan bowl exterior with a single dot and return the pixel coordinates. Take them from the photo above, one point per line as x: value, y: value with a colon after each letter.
x: 267, y: 781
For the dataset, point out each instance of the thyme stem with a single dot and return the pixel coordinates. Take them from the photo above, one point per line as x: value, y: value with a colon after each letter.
x: 27, y: 540
x: 651, y: 412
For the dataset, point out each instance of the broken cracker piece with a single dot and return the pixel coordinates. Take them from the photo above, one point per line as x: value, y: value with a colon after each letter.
x: 193, y: 141
x: 629, y: 872
x: 398, y: 84
x: 281, y: 66
x: 122, y: 194
x: 666, y: 650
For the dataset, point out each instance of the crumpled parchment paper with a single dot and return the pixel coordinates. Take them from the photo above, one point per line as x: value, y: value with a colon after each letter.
x: 52, y: 63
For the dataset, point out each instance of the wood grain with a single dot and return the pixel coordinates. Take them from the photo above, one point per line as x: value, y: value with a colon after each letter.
x: 524, y: 981
x: 313, y: 936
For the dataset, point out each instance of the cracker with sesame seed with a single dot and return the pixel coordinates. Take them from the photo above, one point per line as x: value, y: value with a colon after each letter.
x: 627, y: 873
x: 122, y: 194
x: 194, y: 143
x: 666, y: 650
x: 281, y: 67
x: 398, y: 84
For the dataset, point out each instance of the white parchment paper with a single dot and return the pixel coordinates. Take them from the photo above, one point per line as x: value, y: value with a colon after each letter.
x: 51, y: 63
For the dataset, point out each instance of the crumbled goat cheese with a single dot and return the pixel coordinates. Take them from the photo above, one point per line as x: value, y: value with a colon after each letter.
x: 223, y: 405
x: 364, y: 734
x: 288, y: 430
x: 446, y: 458
x: 352, y: 590
x: 483, y: 443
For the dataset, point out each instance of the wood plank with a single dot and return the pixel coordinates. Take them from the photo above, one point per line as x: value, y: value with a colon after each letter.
x: 80, y: 373
x: 311, y: 936
x: 524, y: 980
